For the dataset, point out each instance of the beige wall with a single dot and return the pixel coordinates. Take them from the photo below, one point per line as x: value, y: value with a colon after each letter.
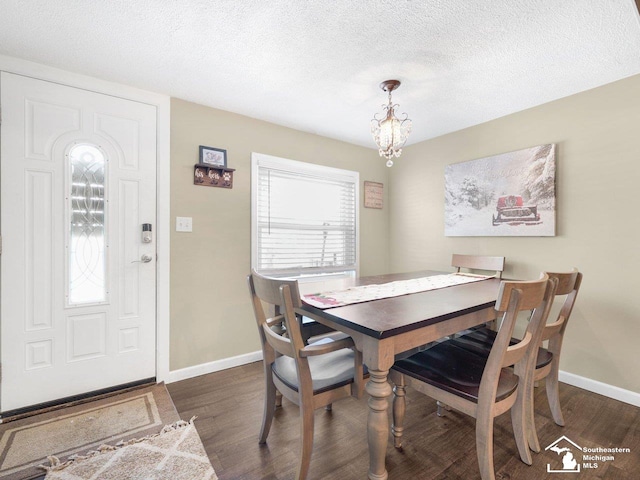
x: 598, y: 171
x: 597, y: 183
x: 211, y: 317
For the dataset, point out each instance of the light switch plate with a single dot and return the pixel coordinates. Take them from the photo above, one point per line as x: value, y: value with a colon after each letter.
x: 184, y: 224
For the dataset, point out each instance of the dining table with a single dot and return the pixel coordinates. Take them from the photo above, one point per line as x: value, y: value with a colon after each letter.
x: 383, y: 328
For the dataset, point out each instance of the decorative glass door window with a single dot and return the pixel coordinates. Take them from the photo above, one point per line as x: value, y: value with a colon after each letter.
x: 86, y: 258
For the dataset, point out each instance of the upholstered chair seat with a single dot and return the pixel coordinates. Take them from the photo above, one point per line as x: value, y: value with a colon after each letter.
x: 455, y: 370
x: 328, y: 371
x: 481, y: 340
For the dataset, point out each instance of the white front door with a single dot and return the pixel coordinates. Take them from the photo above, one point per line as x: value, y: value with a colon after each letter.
x: 78, y: 181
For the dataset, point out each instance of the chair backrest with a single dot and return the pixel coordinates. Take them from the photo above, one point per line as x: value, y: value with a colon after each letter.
x: 282, y: 295
x: 568, y: 284
x: 478, y: 262
x: 515, y: 297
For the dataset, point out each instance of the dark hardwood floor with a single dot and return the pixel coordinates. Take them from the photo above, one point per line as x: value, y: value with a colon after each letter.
x: 229, y: 409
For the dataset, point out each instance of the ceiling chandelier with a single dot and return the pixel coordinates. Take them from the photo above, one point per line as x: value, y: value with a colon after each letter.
x: 390, y: 133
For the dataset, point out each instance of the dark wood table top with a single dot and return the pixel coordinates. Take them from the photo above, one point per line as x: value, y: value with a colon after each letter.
x: 393, y: 316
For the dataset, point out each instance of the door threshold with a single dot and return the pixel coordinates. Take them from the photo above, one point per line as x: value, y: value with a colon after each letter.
x: 18, y: 413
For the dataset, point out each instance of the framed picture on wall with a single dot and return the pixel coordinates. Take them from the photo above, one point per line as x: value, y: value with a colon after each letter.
x: 511, y: 194
x: 216, y: 157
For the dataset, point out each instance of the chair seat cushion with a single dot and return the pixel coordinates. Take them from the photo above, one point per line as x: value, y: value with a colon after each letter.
x: 327, y: 371
x: 481, y: 340
x: 455, y: 370
x: 310, y: 328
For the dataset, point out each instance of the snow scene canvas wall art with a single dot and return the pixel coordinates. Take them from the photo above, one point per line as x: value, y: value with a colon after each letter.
x: 511, y: 194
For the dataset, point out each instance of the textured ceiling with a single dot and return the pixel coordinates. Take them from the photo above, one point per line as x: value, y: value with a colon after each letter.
x: 316, y: 65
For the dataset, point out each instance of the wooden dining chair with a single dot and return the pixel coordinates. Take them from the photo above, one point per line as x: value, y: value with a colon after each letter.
x: 480, y: 386
x: 311, y: 376
x: 478, y: 262
x: 547, y: 363
x: 473, y: 263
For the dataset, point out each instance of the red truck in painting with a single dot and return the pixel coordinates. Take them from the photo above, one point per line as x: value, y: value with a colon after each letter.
x: 512, y: 210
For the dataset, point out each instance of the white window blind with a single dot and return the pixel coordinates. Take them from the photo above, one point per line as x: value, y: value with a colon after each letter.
x: 304, y: 217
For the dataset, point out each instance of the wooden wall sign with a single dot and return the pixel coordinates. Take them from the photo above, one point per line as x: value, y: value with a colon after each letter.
x: 373, y: 194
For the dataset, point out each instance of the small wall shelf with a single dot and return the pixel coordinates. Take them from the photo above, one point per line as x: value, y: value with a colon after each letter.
x: 212, y: 176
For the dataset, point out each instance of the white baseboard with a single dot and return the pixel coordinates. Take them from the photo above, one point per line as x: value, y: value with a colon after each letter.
x: 215, y: 366
x: 617, y: 393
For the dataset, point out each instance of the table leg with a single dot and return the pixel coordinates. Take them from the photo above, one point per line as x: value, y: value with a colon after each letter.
x: 378, y: 422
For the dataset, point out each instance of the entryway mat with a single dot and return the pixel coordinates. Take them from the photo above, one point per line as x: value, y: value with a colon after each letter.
x: 26, y: 443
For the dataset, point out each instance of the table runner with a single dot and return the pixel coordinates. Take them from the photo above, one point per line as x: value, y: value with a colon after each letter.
x: 366, y: 293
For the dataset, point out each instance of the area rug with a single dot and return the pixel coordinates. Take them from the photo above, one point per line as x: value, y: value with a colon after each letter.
x: 176, y: 453
x: 26, y: 443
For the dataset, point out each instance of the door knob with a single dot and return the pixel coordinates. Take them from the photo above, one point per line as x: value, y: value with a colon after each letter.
x: 144, y: 259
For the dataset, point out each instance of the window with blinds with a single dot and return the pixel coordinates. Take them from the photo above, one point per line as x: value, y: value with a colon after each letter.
x: 304, y: 218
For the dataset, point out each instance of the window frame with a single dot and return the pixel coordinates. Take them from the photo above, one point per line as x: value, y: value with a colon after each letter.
x: 295, y: 166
